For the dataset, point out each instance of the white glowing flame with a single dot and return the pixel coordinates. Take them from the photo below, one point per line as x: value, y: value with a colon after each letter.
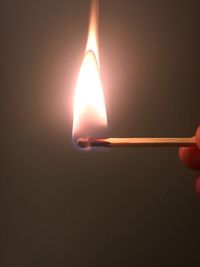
x: 89, y: 97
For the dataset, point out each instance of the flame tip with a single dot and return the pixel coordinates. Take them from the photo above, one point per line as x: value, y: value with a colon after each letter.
x: 89, y: 103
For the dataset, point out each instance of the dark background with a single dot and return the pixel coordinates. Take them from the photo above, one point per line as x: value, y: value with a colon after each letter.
x: 126, y: 207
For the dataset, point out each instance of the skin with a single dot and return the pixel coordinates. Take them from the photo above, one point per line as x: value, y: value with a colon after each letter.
x: 190, y: 157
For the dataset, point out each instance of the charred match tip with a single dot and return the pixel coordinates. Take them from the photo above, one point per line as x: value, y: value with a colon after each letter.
x: 89, y: 142
x: 84, y: 142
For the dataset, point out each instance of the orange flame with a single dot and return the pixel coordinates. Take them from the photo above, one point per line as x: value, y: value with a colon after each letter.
x: 89, y: 105
x: 92, y: 42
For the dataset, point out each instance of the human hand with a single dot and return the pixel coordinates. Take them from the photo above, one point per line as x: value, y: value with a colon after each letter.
x: 190, y: 156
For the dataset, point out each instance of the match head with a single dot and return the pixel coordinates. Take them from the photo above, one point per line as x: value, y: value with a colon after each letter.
x: 83, y: 142
x: 92, y: 142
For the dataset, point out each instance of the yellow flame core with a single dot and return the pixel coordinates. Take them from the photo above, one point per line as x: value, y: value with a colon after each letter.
x: 89, y: 97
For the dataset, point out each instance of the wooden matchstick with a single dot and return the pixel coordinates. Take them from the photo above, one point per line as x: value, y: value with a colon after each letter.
x: 136, y: 142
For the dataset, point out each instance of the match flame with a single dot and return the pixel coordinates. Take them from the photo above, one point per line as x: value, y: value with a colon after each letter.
x: 89, y: 104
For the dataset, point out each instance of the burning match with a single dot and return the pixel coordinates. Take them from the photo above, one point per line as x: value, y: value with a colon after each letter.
x: 136, y: 142
x: 90, y: 116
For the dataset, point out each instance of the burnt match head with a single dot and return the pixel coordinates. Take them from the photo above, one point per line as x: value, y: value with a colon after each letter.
x: 92, y: 142
x: 84, y: 142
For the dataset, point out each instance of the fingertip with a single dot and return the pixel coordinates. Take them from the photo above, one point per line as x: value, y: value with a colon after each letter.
x: 197, y: 185
x: 197, y: 137
x: 181, y: 153
x: 190, y: 157
x: 184, y: 155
